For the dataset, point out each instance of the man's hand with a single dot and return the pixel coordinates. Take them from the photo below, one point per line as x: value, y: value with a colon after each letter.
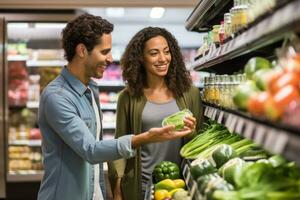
x: 164, y: 134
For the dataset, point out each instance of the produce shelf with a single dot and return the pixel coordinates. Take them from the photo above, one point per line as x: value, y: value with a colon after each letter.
x: 189, y: 181
x: 273, y: 28
x: 46, y: 63
x: 206, y: 14
x: 110, y: 83
x: 26, y: 176
x: 274, y: 137
x: 17, y: 57
x: 31, y: 143
x: 108, y: 106
x: 109, y: 125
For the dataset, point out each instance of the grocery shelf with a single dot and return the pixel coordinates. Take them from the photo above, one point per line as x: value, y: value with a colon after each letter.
x: 108, y: 106
x: 206, y: 14
x: 17, y: 57
x: 189, y: 181
x: 32, y: 104
x: 32, y: 143
x: 274, y: 137
x: 110, y: 83
x: 46, y: 63
x: 26, y: 176
x: 269, y: 30
x: 109, y: 125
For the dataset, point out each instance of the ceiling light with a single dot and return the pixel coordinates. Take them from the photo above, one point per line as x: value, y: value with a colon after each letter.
x: 157, y: 12
x: 115, y: 12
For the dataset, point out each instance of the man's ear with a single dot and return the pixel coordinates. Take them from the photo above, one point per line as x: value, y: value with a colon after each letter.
x: 81, y: 50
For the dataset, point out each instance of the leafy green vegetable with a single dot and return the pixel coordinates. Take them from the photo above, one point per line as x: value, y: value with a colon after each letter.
x: 177, y: 119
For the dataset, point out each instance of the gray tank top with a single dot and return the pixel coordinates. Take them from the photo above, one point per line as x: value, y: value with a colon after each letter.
x: 152, y: 154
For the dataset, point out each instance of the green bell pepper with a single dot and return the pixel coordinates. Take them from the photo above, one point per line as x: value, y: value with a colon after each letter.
x: 166, y: 170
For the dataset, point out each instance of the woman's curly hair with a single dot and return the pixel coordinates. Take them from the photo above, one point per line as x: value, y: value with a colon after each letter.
x: 86, y: 29
x: 178, y: 78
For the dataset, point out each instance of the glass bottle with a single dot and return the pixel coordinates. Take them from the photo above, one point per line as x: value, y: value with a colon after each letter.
x: 227, y: 25
x: 222, y: 33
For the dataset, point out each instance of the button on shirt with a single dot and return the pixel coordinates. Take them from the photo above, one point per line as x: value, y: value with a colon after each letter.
x: 69, y: 128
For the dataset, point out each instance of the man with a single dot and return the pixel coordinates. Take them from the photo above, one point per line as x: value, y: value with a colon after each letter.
x: 70, y: 118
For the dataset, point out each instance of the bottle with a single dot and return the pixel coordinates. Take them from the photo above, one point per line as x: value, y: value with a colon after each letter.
x: 222, y: 33
x: 227, y: 25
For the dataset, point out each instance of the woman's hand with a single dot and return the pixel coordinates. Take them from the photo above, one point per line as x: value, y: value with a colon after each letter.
x: 190, y: 123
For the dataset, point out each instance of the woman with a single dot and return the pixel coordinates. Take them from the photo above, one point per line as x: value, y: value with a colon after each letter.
x: 157, y: 85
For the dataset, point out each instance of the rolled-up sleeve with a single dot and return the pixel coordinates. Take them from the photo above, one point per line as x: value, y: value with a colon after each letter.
x: 62, y: 117
x: 125, y: 147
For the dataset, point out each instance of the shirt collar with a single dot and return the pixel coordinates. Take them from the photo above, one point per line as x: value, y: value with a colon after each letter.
x: 74, y: 82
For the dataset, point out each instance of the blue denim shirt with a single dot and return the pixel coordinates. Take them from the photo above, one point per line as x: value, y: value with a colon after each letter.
x: 68, y: 125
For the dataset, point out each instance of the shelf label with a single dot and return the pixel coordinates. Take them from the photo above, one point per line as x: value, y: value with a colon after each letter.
x: 220, y: 118
x: 249, y: 129
x: 188, y: 177
x: 281, y: 142
x: 211, y: 110
x: 185, y: 170
x: 228, y: 120
x: 214, y: 114
x: 239, y: 126
x: 259, y: 134
x: 270, y: 139
x: 206, y: 111
x: 232, y: 123
x: 193, y: 190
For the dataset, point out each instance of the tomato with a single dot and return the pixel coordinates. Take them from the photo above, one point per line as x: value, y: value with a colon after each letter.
x: 284, y: 80
x: 272, y: 112
x: 161, y: 194
x: 286, y: 95
x: 257, y: 102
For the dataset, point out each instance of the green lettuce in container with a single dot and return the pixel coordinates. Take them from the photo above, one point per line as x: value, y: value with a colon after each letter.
x: 177, y: 119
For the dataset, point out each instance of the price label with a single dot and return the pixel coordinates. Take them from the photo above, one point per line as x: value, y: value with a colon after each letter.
x: 188, y: 177
x: 220, y: 118
x: 249, y: 129
x: 206, y: 111
x: 232, y: 123
x: 270, y: 139
x: 259, y: 134
x: 214, y: 114
x: 185, y: 170
x: 281, y: 142
x: 193, y: 190
x: 210, y: 113
x: 228, y: 120
x: 239, y: 126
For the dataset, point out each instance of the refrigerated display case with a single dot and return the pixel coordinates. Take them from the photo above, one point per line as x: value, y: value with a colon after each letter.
x: 28, y: 63
x: 2, y: 110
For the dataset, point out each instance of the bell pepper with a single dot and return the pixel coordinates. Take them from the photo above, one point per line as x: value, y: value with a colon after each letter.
x: 222, y: 153
x: 200, y: 167
x: 166, y: 184
x: 202, y: 181
x: 161, y: 194
x: 166, y: 170
x: 228, y: 170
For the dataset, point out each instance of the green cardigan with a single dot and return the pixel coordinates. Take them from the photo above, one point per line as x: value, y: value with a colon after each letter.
x: 129, y: 113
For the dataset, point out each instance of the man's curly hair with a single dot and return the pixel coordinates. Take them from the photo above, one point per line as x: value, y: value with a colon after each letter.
x: 86, y: 29
x: 178, y: 78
